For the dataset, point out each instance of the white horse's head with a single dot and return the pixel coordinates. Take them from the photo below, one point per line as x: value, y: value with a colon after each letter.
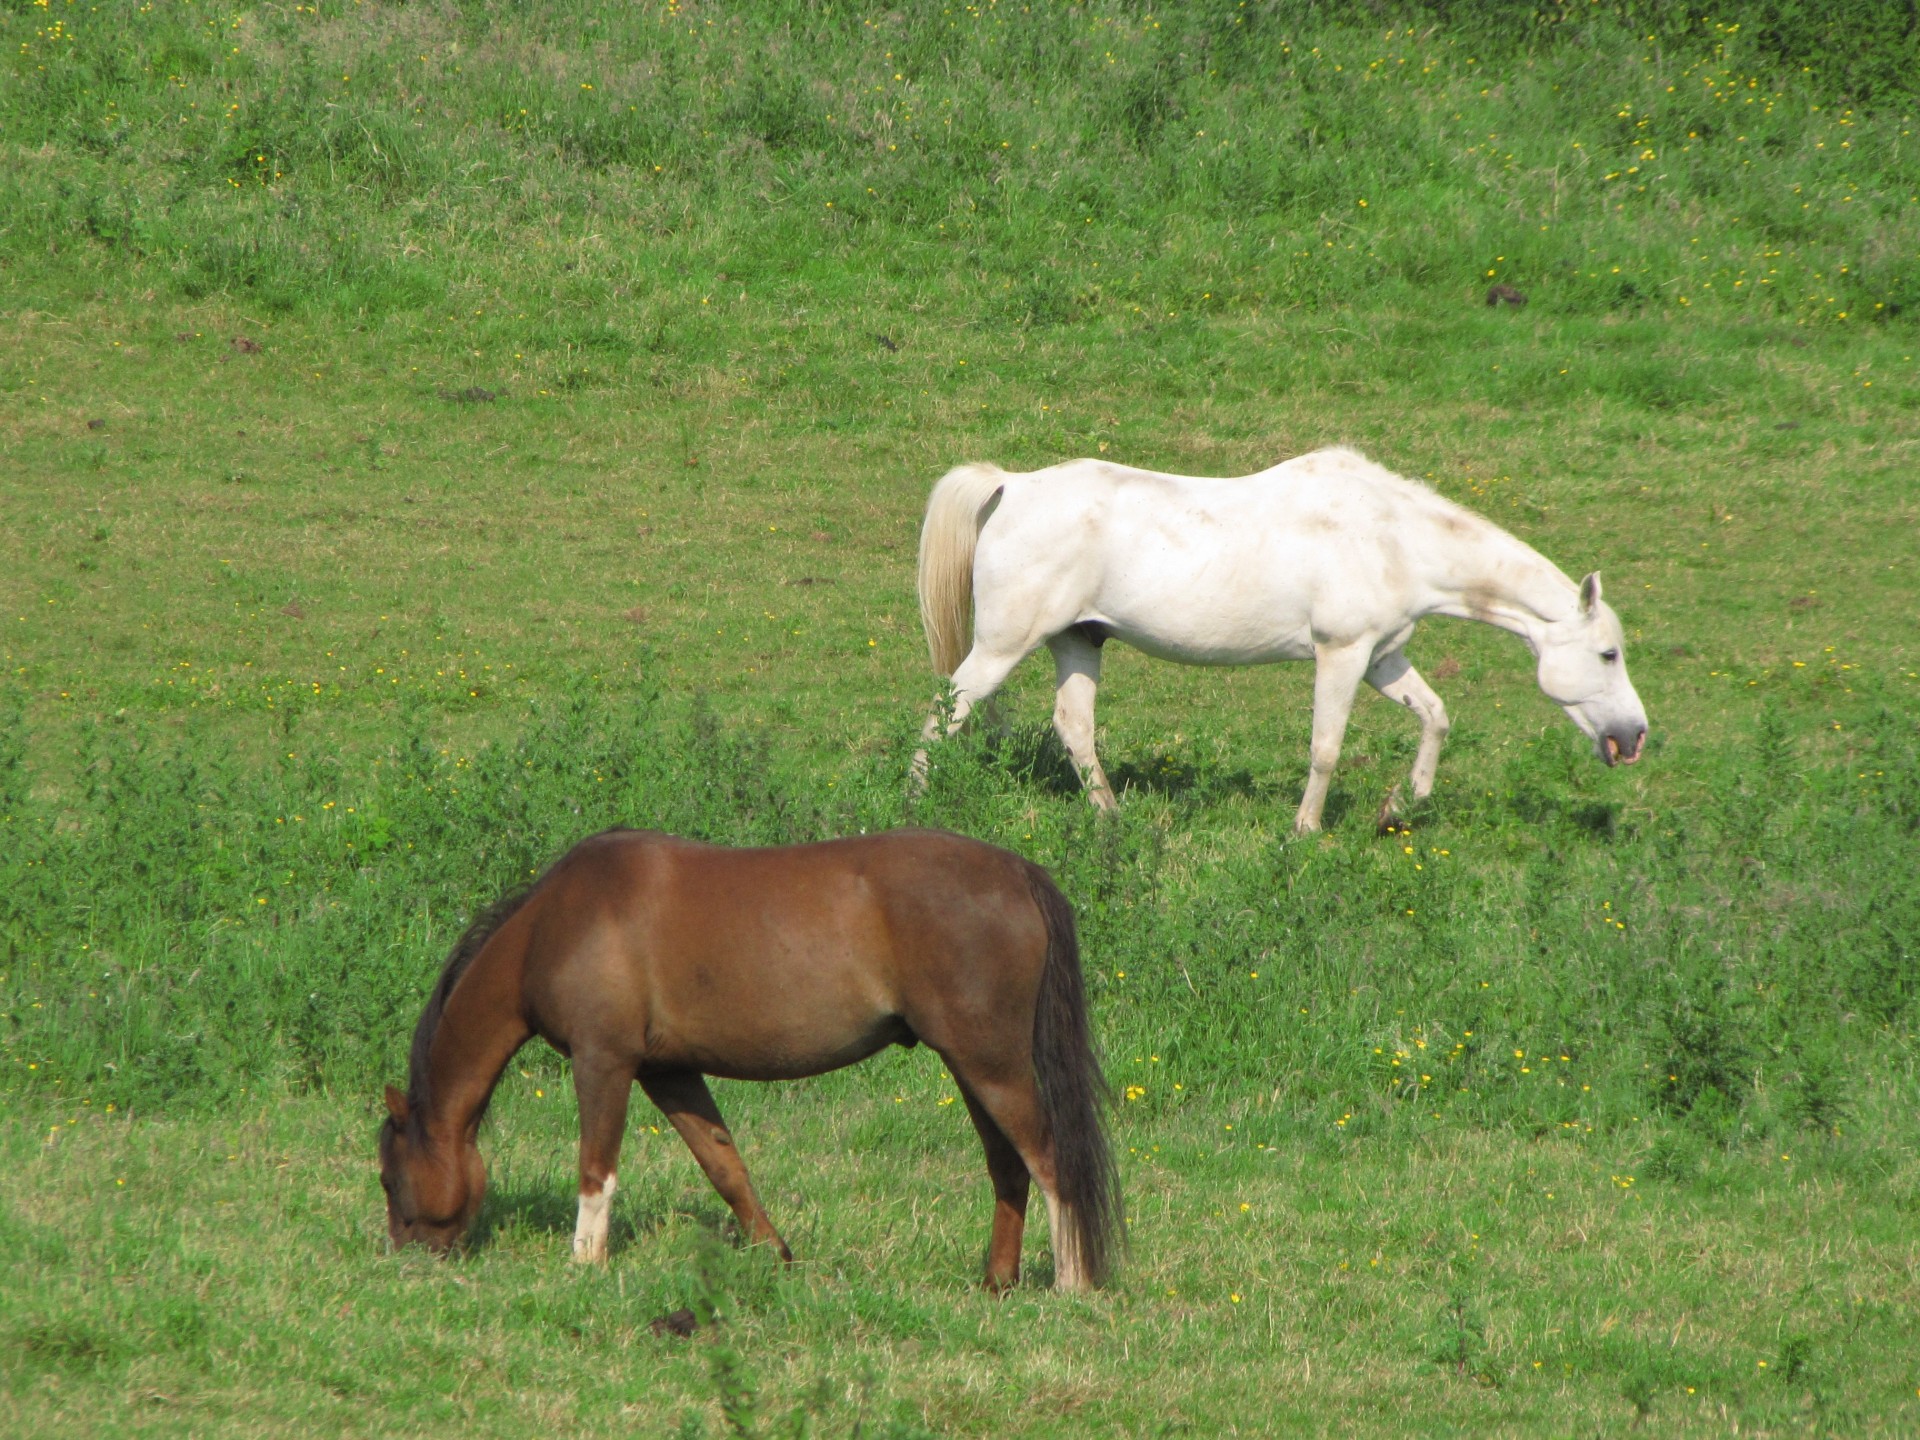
x: 1583, y: 670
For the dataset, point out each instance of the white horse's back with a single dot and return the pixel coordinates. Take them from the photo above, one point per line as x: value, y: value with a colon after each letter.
x: 1227, y: 571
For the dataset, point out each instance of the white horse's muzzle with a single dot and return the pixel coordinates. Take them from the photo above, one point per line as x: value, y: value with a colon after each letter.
x: 1623, y: 747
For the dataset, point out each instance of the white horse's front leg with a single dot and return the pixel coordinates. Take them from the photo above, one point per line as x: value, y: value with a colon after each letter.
x: 1336, y: 677
x: 1394, y: 678
x: 1076, y: 665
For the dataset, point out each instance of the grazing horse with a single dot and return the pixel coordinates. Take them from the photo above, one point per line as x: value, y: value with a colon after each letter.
x: 651, y: 959
x: 1325, y: 557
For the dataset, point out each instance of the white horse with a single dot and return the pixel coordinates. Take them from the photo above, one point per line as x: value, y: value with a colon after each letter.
x: 1325, y: 557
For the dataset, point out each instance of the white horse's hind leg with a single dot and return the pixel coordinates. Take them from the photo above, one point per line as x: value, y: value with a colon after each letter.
x: 1076, y: 666
x: 917, y: 770
x: 1336, y: 677
x: 974, y: 682
x: 979, y: 676
x: 1394, y: 678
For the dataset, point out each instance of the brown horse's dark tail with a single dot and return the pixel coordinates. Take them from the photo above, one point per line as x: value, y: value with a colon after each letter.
x: 1074, y: 1094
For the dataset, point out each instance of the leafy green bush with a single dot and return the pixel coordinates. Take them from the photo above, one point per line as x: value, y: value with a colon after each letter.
x: 184, y: 925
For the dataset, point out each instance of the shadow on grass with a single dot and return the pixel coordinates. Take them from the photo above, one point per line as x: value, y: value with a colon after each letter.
x: 1173, y: 777
x: 1597, y: 818
x: 552, y: 1210
x: 1035, y: 755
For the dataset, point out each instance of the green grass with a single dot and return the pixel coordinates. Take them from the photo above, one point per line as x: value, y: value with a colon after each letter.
x: 1483, y: 1285
x: 311, y: 648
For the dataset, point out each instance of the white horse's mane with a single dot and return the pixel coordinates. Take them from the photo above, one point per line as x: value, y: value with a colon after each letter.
x: 1367, y: 469
x: 1372, y: 472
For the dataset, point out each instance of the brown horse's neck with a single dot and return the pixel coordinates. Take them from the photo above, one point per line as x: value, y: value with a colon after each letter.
x: 480, y: 1027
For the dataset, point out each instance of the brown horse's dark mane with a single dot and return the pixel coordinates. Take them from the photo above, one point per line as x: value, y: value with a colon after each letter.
x: 471, y: 942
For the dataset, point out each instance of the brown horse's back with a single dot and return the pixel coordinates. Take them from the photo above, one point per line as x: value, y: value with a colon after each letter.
x: 777, y: 963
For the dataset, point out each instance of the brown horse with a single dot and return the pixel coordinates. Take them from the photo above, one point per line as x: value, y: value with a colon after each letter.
x: 651, y: 959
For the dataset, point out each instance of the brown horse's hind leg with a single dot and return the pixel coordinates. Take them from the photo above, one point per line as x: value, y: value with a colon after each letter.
x: 1010, y: 1181
x: 1014, y: 1107
x: 684, y: 1099
x: 603, y: 1087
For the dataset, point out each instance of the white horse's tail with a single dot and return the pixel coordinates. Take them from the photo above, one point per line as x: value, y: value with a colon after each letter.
x: 955, y: 512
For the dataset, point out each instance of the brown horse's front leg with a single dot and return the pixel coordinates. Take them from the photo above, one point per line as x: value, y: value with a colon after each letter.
x: 684, y: 1099
x: 603, y: 1087
x: 1010, y: 1185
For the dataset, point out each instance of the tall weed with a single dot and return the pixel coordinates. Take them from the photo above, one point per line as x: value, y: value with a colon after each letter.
x: 1604, y: 158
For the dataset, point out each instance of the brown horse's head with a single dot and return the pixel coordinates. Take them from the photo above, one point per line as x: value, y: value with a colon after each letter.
x: 432, y: 1196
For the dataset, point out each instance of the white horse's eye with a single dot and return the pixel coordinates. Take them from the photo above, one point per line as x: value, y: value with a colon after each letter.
x: 1609, y: 655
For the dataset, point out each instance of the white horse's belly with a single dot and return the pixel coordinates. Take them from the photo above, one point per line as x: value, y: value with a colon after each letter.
x: 1215, y: 603
x: 1187, y: 653
x: 1193, y: 638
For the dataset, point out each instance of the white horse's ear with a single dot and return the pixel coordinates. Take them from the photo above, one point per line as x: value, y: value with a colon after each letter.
x: 1590, y: 593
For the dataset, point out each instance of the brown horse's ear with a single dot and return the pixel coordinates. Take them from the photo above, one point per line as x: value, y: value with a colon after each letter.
x: 397, y: 1104
x: 1590, y: 593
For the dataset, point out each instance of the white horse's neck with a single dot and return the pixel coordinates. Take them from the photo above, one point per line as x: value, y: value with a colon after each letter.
x: 1492, y: 576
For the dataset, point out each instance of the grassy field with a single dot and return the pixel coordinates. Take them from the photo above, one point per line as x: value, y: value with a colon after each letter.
x: 432, y: 434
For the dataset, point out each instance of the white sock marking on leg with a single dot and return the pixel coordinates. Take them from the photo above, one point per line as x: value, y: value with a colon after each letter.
x: 590, y: 1231
x: 1068, y: 1271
